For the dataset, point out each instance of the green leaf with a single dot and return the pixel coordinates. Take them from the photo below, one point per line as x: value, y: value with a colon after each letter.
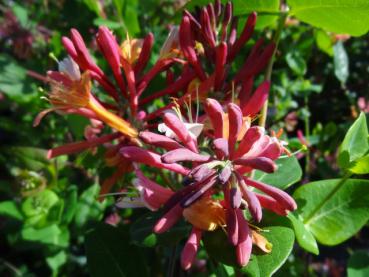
x: 358, y: 264
x: 324, y: 42
x: 338, y: 16
x: 31, y: 158
x: 40, y: 203
x: 288, y: 173
x: 355, y: 143
x: 110, y: 254
x: 70, y: 207
x: 341, y: 62
x: 142, y: 234
x: 296, y: 63
x: 334, y: 210
x: 113, y: 25
x: 261, y: 264
x: 88, y: 208
x: 21, y: 13
x: 10, y: 209
x: 360, y: 166
x: 303, y: 236
x: 49, y: 235
x: 14, y: 82
x: 282, y: 239
x: 56, y: 261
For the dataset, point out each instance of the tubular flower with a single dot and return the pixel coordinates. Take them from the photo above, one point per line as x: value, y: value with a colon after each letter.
x: 209, y: 42
x: 72, y: 91
x: 223, y: 171
x: 215, y: 28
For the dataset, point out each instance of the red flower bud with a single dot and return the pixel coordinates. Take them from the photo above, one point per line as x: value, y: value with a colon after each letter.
x: 220, y: 61
x: 244, y: 37
x: 145, y: 54
x: 216, y: 115
x: 190, y: 249
x: 183, y: 154
x: 257, y: 100
x: 159, y: 140
x: 235, y: 126
x: 139, y: 155
x: 186, y: 42
x: 282, y: 197
x: 168, y: 220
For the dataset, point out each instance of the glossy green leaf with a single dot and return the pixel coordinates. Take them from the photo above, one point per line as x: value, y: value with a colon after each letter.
x: 288, y: 172
x: 261, y: 264
x: 338, y: 16
x: 358, y: 264
x: 355, y: 143
x: 341, y: 62
x: 109, y: 253
x: 303, y: 236
x: 334, y: 210
x: 142, y: 234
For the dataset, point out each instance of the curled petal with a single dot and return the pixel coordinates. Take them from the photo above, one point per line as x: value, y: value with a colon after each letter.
x: 191, y: 247
x: 139, y: 155
x: 159, y: 140
x: 282, y: 197
x: 183, y: 154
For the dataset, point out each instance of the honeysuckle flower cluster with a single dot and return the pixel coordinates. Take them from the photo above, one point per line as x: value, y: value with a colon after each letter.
x: 213, y: 148
x: 223, y: 170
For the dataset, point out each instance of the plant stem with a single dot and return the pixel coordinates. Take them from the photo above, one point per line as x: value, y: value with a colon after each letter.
x: 268, y: 73
x: 307, y: 136
x: 340, y: 183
